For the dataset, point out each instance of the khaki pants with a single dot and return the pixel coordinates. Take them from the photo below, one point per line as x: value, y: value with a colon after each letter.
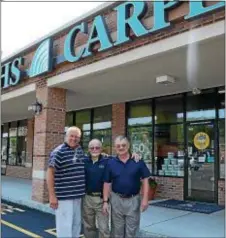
x: 125, y: 216
x: 92, y: 212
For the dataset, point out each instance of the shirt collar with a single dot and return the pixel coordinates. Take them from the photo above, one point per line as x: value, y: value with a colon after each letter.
x: 77, y: 147
x: 97, y: 161
x: 117, y: 158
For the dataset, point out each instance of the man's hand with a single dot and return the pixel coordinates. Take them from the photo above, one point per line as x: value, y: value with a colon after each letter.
x: 105, y: 155
x: 144, y: 205
x: 105, y: 208
x: 136, y: 157
x: 53, y: 202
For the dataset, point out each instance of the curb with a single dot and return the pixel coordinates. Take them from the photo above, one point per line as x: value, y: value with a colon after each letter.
x: 34, y: 205
x: 146, y: 234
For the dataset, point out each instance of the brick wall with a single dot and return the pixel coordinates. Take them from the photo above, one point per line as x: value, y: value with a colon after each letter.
x: 18, y: 172
x: 170, y: 187
x: 48, y: 134
x: 118, y: 121
x: 179, y: 25
x: 221, y: 192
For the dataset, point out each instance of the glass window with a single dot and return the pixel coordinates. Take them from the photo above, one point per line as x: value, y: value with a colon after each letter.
x: 221, y: 102
x: 69, y: 119
x: 102, y: 118
x: 202, y: 106
x: 22, y: 143
x: 12, y: 143
x: 4, y: 141
x: 85, y: 140
x: 222, y: 148
x: 105, y: 137
x: 141, y: 143
x: 169, y: 109
x: 169, y: 150
x: 83, y: 120
x: 140, y: 113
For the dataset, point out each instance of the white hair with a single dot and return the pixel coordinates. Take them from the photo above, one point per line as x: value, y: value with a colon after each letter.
x: 71, y: 130
x: 120, y: 138
x: 95, y: 140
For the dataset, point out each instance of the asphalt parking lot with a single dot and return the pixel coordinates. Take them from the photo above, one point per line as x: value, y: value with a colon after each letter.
x: 19, y: 221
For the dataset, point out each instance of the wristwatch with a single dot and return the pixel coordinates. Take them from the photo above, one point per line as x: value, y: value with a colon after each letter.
x: 105, y: 201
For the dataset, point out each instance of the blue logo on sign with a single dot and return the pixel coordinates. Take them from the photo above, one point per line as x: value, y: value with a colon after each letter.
x: 41, y: 62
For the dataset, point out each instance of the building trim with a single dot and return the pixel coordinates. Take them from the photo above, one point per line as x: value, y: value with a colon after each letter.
x: 181, y: 40
x: 18, y: 92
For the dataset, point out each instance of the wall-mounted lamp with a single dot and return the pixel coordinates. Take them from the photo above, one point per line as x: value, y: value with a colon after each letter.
x: 35, y: 107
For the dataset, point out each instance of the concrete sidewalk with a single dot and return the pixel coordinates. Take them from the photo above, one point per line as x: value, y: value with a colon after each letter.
x: 155, y: 222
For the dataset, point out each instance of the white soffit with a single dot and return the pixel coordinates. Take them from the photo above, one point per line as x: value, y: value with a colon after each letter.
x: 186, y: 38
x: 18, y: 92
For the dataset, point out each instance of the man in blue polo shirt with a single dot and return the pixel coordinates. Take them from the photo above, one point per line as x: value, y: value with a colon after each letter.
x: 95, y: 165
x: 123, y: 176
x: 66, y: 184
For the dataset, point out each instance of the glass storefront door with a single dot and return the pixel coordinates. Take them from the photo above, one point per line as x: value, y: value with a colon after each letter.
x: 201, y: 161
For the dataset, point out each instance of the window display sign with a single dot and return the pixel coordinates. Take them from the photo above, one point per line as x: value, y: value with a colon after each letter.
x: 201, y: 140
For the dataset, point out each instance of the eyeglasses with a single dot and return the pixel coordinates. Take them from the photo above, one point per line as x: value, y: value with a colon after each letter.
x: 120, y: 145
x: 94, y: 148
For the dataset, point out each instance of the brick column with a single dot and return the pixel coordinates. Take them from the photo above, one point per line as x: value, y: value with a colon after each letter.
x: 118, y: 120
x: 48, y: 133
x: 221, y: 192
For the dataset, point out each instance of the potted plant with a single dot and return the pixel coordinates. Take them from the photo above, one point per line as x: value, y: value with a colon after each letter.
x: 152, y: 188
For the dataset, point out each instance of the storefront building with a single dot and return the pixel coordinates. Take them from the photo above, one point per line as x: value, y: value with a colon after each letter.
x: 153, y: 71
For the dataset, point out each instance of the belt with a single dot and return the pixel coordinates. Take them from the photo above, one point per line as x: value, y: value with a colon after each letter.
x: 95, y: 194
x: 126, y: 195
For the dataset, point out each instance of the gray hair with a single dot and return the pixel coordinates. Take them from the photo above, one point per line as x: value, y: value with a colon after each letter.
x: 95, y: 140
x: 72, y: 129
x: 122, y: 138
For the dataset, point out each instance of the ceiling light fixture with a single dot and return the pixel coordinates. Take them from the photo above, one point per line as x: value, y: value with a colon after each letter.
x: 165, y: 79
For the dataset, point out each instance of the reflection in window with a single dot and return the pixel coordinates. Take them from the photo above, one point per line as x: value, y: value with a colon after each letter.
x: 22, y: 142
x: 169, y: 109
x: 141, y: 143
x: 69, y: 119
x: 140, y: 113
x: 13, y: 143
x: 100, y: 129
x: 202, y: 106
x: 85, y: 140
x: 221, y: 102
x: 222, y: 148
x: 4, y: 143
x: 169, y: 150
x: 83, y: 120
x: 102, y: 118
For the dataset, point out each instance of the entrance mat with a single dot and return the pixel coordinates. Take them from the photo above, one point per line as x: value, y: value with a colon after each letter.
x: 190, y: 206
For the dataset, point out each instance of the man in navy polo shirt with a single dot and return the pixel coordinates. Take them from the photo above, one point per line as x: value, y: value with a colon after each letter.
x: 123, y: 176
x: 66, y: 184
x: 95, y: 165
